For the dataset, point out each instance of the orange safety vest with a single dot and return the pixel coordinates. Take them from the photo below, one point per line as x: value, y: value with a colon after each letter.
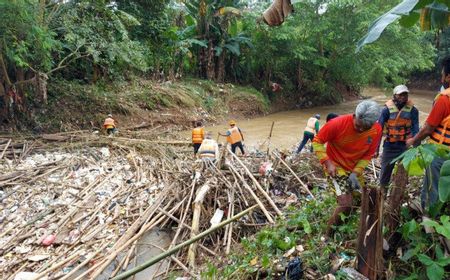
x: 207, y: 149
x: 311, y: 125
x: 398, y: 126
x: 198, y: 134
x: 109, y: 123
x: 235, y: 135
x: 441, y: 135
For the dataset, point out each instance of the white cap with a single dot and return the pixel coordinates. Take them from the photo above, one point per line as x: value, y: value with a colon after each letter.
x: 400, y: 89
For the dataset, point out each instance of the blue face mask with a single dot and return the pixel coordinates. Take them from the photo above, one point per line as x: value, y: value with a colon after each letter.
x: 442, y: 88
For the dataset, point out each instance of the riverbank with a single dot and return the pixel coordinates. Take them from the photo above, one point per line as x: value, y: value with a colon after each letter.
x: 74, y: 106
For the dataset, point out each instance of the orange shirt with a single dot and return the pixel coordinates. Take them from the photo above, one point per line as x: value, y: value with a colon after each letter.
x: 346, y: 147
x: 440, y: 110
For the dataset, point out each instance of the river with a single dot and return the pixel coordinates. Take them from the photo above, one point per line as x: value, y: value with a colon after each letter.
x: 289, y: 125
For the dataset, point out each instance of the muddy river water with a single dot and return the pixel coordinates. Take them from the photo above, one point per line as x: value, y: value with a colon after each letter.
x: 289, y: 125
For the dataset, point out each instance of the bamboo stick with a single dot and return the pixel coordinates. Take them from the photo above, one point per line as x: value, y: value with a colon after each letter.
x: 6, y: 147
x: 305, y: 187
x: 258, y: 186
x: 198, y: 201
x: 255, y: 197
x: 85, y: 262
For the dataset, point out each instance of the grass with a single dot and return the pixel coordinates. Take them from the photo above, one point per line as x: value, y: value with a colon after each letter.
x: 75, y: 105
x: 304, y: 225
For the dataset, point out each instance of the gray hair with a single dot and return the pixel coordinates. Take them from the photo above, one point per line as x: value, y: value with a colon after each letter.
x: 208, y: 135
x: 368, y: 112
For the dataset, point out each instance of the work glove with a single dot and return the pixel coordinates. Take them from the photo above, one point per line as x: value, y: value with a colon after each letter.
x: 353, y: 181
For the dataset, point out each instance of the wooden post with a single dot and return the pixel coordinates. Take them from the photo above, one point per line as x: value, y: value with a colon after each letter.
x: 395, y: 200
x: 370, y: 236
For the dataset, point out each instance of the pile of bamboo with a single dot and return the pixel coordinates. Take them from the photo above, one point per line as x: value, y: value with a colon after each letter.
x: 78, y: 211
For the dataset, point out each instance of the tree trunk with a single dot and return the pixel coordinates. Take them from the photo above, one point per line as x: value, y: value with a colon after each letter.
x: 220, y: 77
x: 210, y: 69
x: 370, y: 236
x: 41, y: 86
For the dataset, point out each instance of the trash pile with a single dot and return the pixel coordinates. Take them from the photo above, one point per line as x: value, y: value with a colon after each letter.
x: 78, y: 211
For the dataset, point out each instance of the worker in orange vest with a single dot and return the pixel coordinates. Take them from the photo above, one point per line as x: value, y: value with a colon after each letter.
x: 400, y: 120
x: 110, y: 125
x: 234, y: 137
x: 209, y: 150
x: 437, y: 127
x: 198, y: 134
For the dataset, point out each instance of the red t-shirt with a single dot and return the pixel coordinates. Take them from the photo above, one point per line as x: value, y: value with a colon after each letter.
x: 345, y: 145
x: 440, y: 110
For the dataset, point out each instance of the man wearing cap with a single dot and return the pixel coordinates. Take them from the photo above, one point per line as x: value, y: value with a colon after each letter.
x: 311, y: 129
x: 344, y: 147
x: 400, y: 121
x: 234, y: 137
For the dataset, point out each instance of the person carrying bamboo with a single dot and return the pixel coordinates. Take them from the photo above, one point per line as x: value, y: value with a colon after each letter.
x: 110, y: 125
x: 345, y: 147
x: 311, y: 129
x: 234, y: 137
x: 400, y: 121
x: 198, y: 134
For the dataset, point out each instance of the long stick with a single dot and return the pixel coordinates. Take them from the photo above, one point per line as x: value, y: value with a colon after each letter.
x: 6, y: 147
x: 374, y: 171
x: 255, y: 197
x: 274, y: 206
x: 270, y: 137
x: 181, y: 245
x: 305, y: 187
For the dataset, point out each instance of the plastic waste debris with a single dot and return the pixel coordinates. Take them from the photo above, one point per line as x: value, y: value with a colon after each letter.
x: 294, y: 269
x: 25, y: 275
x: 48, y: 240
x: 217, y: 217
x: 265, y: 169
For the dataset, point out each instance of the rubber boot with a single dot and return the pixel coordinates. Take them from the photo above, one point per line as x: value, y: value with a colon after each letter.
x: 344, y: 206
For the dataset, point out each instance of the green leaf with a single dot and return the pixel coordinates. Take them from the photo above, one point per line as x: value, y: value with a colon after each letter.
x: 444, y: 188
x: 380, y: 24
x: 435, y: 272
x: 265, y: 262
x: 409, y: 228
x: 426, y: 260
x: 410, y: 20
x: 409, y: 254
x: 306, y: 226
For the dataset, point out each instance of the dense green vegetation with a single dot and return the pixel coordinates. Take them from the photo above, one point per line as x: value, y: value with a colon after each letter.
x: 311, y: 54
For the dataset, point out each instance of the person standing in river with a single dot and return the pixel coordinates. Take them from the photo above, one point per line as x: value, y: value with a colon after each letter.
x: 400, y: 121
x: 311, y: 129
x: 234, y: 137
x: 345, y: 147
x: 198, y: 134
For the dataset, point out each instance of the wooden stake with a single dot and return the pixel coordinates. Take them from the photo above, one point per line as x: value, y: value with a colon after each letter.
x: 370, y: 236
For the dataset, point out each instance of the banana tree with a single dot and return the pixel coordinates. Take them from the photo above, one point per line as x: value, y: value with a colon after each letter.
x: 217, y: 25
x: 432, y: 15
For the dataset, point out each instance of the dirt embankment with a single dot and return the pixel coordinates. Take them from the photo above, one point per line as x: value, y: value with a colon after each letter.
x: 74, y: 106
